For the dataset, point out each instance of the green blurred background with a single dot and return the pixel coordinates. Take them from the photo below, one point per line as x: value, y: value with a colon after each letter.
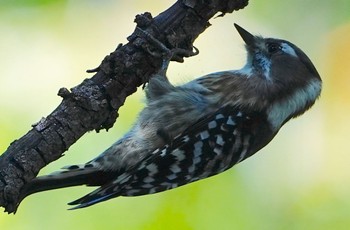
x: 299, y: 181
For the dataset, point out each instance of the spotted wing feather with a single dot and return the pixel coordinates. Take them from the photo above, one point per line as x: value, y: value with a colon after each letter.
x: 212, y: 145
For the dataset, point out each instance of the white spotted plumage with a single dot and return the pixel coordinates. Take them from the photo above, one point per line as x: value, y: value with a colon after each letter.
x: 201, y: 128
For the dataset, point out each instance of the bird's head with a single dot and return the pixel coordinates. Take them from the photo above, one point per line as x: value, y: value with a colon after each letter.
x: 284, y: 73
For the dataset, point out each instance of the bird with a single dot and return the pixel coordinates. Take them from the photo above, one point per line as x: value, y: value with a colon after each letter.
x: 199, y: 129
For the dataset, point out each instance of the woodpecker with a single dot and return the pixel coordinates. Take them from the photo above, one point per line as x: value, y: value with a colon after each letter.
x: 199, y: 129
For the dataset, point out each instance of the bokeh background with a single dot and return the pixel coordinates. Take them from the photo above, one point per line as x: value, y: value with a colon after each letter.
x: 299, y: 181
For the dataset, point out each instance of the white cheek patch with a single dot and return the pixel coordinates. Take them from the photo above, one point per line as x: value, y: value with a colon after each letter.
x: 279, y: 112
x: 288, y: 49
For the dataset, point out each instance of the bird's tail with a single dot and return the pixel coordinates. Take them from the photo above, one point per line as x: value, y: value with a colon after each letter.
x: 73, y: 175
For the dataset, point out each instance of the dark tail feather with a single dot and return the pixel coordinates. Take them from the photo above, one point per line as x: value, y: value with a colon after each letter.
x: 71, y: 176
x: 103, y: 193
x: 85, y: 201
x: 59, y: 180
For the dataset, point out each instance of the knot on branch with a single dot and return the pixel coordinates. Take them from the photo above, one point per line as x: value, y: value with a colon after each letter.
x: 64, y: 93
x: 143, y: 20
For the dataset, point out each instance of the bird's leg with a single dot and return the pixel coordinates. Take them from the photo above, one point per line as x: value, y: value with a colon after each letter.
x: 167, y: 55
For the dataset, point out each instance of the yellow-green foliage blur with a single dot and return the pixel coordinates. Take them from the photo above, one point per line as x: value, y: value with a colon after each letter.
x: 301, y: 180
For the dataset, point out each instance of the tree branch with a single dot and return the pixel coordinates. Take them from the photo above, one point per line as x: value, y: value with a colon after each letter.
x: 94, y: 104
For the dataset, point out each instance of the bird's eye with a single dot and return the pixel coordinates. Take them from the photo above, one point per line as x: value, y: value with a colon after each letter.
x: 273, y: 48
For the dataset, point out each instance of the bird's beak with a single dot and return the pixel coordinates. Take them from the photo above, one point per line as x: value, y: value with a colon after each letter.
x: 247, y: 37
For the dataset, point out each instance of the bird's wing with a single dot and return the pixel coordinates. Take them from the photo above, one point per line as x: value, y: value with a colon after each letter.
x: 211, y: 145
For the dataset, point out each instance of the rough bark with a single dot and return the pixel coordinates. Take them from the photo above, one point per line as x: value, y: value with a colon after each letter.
x: 94, y: 104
